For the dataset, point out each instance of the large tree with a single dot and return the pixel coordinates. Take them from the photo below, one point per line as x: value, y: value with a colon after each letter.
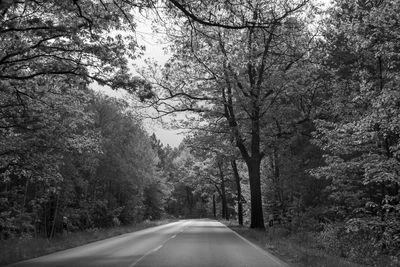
x: 236, y: 74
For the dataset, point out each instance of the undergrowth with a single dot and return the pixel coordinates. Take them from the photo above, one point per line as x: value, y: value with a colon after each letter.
x: 298, y: 249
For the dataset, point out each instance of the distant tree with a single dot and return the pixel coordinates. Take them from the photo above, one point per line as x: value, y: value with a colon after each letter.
x: 191, y: 194
x: 211, y: 147
x: 128, y: 162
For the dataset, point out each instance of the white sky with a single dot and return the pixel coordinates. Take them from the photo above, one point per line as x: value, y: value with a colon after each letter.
x: 154, y: 50
x: 154, y: 43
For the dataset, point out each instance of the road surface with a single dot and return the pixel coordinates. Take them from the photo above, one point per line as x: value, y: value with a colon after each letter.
x: 191, y: 243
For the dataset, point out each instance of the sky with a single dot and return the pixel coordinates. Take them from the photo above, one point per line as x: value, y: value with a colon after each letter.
x: 154, y: 43
x: 154, y: 50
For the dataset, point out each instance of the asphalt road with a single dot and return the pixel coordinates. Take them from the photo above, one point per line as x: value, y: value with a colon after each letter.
x: 194, y: 243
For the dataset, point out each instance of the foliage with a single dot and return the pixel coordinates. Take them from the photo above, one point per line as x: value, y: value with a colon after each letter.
x: 41, y: 38
x: 38, y: 130
x: 189, y: 195
x: 360, y: 136
x: 56, y: 143
x: 81, y: 163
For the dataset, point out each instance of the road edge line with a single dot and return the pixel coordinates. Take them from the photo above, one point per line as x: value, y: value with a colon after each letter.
x: 263, y: 251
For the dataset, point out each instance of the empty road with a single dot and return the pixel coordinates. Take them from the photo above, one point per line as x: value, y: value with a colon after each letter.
x: 205, y: 243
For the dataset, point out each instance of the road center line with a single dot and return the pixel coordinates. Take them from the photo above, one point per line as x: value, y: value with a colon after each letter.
x: 157, y: 248
x: 138, y: 260
x: 149, y: 252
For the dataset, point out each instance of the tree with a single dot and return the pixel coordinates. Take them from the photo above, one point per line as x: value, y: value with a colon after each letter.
x: 211, y: 147
x: 238, y: 190
x: 41, y: 122
x: 235, y: 74
x: 128, y: 163
x: 360, y: 136
x: 159, y: 190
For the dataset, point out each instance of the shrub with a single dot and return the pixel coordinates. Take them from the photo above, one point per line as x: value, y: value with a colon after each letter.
x: 365, y: 240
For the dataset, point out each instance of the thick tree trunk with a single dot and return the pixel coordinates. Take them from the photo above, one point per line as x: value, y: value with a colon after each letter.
x: 252, y: 155
x: 238, y: 192
x: 257, y: 217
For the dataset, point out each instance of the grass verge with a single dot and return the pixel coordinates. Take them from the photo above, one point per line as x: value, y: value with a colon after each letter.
x: 296, y: 250
x: 18, y: 249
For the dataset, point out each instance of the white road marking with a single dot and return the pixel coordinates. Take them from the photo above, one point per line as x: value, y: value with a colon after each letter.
x: 138, y: 260
x: 157, y: 248
x: 149, y: 252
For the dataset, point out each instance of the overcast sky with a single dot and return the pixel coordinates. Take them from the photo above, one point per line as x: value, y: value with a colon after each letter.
x: 154, y: 44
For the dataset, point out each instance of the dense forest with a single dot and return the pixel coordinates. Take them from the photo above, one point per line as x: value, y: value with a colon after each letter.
x: 292, y: 113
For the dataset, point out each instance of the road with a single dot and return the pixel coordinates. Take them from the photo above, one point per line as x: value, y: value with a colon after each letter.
x: 192, y: 243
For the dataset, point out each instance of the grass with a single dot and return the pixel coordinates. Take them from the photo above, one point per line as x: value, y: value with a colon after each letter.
x: 295, y: 249
x: 18, y: 249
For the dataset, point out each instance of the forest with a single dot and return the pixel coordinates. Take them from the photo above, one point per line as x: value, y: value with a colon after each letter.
x: 291, y: 113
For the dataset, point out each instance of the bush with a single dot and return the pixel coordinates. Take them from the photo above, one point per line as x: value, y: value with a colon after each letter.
x: 366, y: 240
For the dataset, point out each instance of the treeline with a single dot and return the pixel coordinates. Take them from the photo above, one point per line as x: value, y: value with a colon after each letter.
x: 71, y: 159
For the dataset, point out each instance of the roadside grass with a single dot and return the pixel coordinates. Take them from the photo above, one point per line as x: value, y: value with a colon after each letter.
x: 295, y: 249
x: 18, y: 249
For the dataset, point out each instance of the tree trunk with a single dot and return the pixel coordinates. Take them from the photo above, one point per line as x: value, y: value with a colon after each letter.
x: 252, y: 159
x: 225, y: 214
x: 189, y: 200
x: 223, y: 210
x: 238, y: 192
x: 277, y: 181
x: 45, y: 220
x: 214, y: 207
x: 257, y: 217
x: 55, y: 218
x: 224, y: 202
